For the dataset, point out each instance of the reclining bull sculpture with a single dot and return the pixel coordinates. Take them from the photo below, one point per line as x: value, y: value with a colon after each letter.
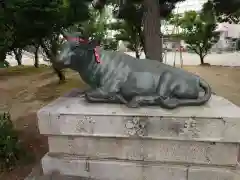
x: 116, y: 77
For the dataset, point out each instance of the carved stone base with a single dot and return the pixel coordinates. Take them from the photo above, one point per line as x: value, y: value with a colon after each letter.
x: 147, y: 150
x: 106, y: 141
x: 131, y: 170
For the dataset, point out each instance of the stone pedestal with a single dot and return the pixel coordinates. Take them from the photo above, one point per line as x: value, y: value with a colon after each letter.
x: 113, y: 142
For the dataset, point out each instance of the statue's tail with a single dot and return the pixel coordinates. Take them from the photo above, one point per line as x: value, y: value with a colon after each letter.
x: 208, y: 92
x: 174, y: 103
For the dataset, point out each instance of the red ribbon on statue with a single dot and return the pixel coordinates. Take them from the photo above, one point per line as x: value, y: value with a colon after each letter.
x: 96, y: 53
x: 76, y: 39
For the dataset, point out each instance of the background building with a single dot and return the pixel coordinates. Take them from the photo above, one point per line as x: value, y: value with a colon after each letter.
x: 229, y: 33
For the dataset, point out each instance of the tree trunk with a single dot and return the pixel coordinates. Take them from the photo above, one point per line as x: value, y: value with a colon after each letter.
x: 151, y: 28
x: 18, y: 56
x: 60, y: 74
x: 137, y: 54
x: 202, y: 59
x: 58, y: 70
x: 50, y: 54
x: 36, y: 60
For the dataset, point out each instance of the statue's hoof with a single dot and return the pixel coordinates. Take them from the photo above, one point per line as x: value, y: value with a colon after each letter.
x: 112, y: 98
x: 88, y: 98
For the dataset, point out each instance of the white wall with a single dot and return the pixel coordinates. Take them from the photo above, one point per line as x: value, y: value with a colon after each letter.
x: 231, y: 30
x: 225, y: 59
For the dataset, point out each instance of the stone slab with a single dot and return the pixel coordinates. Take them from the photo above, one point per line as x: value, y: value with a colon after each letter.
x: 112, y: 170
x: 146, y: 149
x: 203, y: 173
x: 217, y: 121
x: 74, y: 103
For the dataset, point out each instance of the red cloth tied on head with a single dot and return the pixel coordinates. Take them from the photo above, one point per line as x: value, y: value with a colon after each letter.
x: 96, y: 53
x: 76, y: 39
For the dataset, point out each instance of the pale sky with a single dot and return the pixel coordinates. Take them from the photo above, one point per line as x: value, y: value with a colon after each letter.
x: 187, y: 5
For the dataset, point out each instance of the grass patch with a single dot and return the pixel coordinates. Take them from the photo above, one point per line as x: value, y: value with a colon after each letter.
x: 54, y: 90
x: 22, y: 70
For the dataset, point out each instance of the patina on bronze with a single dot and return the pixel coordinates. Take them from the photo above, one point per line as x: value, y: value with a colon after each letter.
x: 116, y: 77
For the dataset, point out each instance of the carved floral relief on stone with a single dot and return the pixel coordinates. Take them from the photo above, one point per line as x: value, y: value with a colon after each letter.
x: 136, y: 126
x: 190, y: 127
x: 85, y: 125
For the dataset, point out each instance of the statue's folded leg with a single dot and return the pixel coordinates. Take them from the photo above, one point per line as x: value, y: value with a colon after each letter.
x: 138, y: 101
x: 168, y: 103
x: 100, y: 96
x: 155, y: 100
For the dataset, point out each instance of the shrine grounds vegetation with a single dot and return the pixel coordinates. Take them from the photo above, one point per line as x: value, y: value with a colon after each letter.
x: 12, y: 152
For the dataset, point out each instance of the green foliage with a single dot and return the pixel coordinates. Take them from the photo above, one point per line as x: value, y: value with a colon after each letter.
x: 130, y: 33
x: 94, y: 27
x: 10, y: 149
x: 4, y: 64
x: 134, y: 8
x: 31, y: 22
x: 6, y: 34
x: 110, y: 44
x: 226, y: 11
x: 198, y: 31
x: 40, y: 22
x: 134, y: 11
x: 129, y: 26
x: 43, y: 18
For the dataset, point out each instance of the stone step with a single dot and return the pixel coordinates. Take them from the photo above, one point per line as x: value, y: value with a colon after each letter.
x: 130, y: 170
x: 217, y: 121
x: 146, y: 149
x: 111, y: 170
x: 37, y: 174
